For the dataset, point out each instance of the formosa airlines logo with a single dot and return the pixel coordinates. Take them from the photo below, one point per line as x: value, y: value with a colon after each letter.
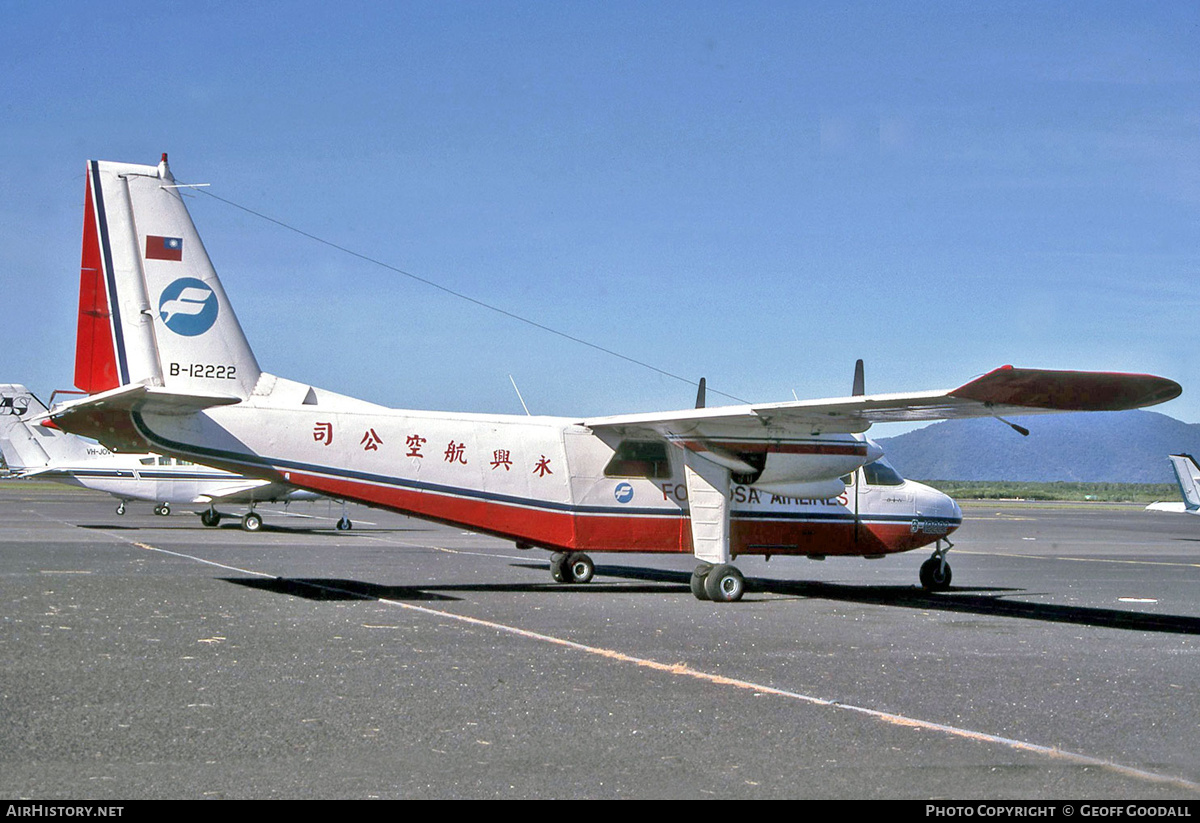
x: 188, y: 307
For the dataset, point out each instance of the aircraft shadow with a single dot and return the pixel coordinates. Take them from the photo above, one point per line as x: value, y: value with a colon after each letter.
x: 979, y: 601
x: 332, y: 589
x: 958, y: 599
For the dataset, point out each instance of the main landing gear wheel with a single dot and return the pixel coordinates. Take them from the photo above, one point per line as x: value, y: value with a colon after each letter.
x: 251, y: 522
x: 571, y: 567
x: 344, y: 525
x: 163, y: 509
x: 578, y: 568
x: 724, y: 584
x: 720, y: 584
x: 935, y: 575
x: 121, y: 508
x: 556, y: 567
x: 211, y: 517
x: 697, y: 581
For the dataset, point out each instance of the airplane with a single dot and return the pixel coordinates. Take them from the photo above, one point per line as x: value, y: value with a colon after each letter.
x: 166, y: 367
x: 47, y: 453
x: 1187, y: 475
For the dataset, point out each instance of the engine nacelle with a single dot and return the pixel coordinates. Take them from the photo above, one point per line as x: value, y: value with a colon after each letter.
x: 819, y: 490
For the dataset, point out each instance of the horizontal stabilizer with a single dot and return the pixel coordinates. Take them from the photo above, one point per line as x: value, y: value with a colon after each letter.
x: 107, y: 416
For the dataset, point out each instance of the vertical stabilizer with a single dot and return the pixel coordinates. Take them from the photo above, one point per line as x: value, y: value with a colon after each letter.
x: 1187, y: 474
x: 151, y: 307
x: 29, y: 447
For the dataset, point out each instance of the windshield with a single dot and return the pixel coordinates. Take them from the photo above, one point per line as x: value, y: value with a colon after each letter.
x: 881, y: 473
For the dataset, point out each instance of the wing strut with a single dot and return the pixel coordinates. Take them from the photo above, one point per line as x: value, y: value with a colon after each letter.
x: 708, y: 499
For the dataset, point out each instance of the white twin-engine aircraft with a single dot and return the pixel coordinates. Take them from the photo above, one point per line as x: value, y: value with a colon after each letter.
x: 46, y: 453
x: 168, y: 370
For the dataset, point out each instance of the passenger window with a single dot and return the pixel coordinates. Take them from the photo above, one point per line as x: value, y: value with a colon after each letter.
x: 639, y: 458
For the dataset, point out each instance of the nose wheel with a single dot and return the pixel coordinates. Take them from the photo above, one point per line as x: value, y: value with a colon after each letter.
x: 935, y: 572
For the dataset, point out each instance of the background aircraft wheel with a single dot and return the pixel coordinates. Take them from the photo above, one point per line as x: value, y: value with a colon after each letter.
x: 697, y: 581
x: 724, y: 584
x: 210, y: 517
x: 556, y: 567
x: 344, y: 525
x: 935, y: 575
x: 121, y: 509
x: 578, y: 568
x: 251, y: 522
x: 165, y: 509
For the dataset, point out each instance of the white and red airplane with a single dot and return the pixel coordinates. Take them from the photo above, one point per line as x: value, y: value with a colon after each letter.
x: 169, y: 370
x: 46, y: 453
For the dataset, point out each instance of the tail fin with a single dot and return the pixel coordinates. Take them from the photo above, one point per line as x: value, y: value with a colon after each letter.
x: 151, y: 308
x: 1187, y: 473
x: 26, y: 447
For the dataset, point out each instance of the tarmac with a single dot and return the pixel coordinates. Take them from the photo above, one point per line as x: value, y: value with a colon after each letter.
x: 146, y: 657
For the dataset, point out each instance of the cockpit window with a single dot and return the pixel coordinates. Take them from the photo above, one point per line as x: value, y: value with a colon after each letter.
x: 639, y: 458
x: 880, y: 473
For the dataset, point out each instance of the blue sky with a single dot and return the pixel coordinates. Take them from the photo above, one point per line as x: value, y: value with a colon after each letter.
x: 758, y: 193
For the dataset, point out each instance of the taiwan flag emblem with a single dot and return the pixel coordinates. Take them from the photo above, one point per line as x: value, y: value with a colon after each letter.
x: 164, y: 248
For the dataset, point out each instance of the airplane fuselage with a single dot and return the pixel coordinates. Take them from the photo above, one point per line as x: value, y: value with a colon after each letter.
x: 549, y: 482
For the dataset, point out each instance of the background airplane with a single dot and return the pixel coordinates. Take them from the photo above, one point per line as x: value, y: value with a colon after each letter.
x: 46, y: 453
x: 167, y: 367
x: 1187, y: 475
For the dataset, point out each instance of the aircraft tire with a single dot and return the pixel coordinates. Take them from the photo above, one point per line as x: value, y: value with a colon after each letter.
x: 251, y: 522
x: 578, y: 568
x: 121, y: 509
x: 556, y: 567
x: 697, y: 581
x: 344, y: 525
x: 165, y: 509
x: 724, y: 584
x: 210, y: 517
x: 935, y: 577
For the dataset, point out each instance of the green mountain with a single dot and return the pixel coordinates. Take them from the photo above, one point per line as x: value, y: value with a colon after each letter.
x: 1110, y: 447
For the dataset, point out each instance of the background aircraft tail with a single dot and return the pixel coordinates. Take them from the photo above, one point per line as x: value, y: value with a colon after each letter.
x: 1187, y: 473
x: 151, y: 308
x: 29, y: 447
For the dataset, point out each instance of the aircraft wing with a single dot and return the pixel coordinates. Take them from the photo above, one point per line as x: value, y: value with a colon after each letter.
x: 1003, y: 391
x: 1174, y: 508
x: 245, y: 491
